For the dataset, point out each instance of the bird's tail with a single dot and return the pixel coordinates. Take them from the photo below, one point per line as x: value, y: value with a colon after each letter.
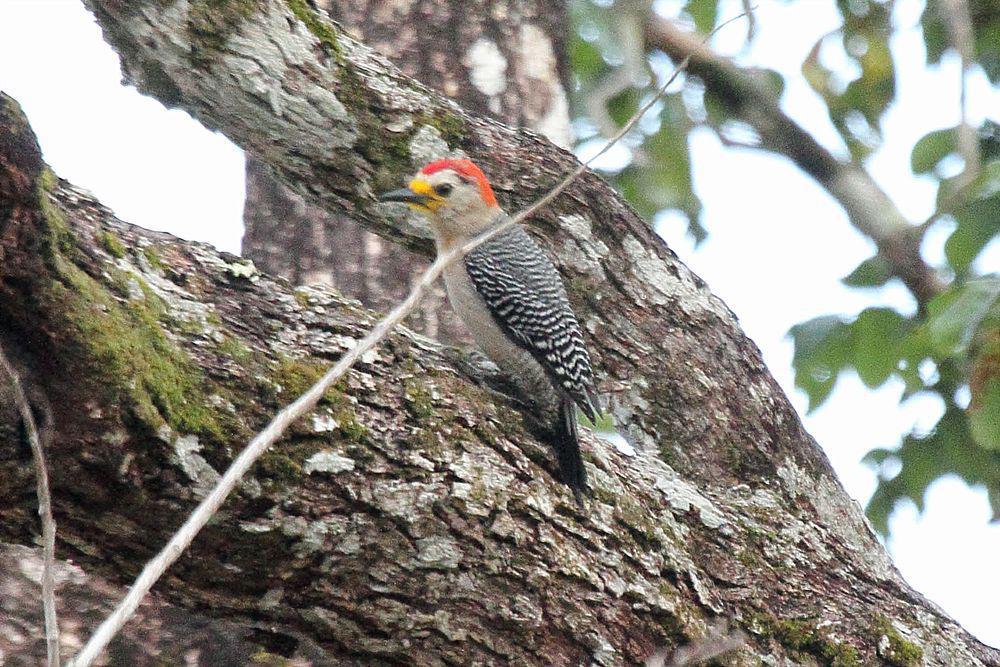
x: 566, y: 441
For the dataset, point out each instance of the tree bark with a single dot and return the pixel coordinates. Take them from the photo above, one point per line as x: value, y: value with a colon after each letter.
x: 159, y: 634
x: 494, y: 57
x: 413, y: 520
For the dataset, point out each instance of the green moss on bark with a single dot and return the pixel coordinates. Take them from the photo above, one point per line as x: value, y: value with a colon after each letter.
x: 451, y: 126
x: 390, y: 152
x: 210, y: 22
x: 234, y: 349
x: 805, y: 636
x: 352, y: 430
x: 112, y: 244
x: 322, y: 30
x: 418, y: 399
x: 282, y: 464
x: 118, y: 343
x: 153, y: 257
x: 296, y: 376
x: 124, y: 348
x: 57, y: 239
x: 894, y: 649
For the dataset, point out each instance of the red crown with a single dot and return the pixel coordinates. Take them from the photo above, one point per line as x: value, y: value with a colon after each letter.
x: 468, y: 170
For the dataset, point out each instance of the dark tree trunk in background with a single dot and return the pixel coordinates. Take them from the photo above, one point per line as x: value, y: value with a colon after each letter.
x: 503, y: 58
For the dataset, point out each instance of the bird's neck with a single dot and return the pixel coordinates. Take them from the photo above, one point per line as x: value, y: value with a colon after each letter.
x: 451, y: 232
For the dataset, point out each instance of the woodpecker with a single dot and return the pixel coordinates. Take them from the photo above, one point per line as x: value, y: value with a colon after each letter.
x: 512, y: 300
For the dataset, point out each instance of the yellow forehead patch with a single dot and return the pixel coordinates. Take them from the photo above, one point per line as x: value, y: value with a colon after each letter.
x: 422, y: 187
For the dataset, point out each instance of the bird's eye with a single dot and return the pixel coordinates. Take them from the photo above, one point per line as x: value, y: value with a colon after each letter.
x: 444, y: 189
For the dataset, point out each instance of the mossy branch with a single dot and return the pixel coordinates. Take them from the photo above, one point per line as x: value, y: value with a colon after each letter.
x: 305, y: 403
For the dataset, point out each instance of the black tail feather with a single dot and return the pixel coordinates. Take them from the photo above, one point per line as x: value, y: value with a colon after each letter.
x: 566, y: 441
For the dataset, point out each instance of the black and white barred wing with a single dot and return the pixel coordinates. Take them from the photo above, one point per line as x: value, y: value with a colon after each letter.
x: 524, y: 293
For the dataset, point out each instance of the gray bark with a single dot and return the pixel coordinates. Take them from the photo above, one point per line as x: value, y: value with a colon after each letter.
x: 501, y: 58
x: 160, y: 633
x: 414, y: 521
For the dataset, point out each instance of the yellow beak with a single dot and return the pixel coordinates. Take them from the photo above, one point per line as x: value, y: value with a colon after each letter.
x: 418, y: 195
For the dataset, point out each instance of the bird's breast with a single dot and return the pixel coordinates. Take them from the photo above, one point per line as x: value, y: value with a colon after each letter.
x: 469, y: 306
x: 518, y: 364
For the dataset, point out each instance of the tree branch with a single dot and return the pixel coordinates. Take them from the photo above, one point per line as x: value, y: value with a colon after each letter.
x: 44, y: 511
x: 305, y: 403
x: 868, y: 208
x: 340, y: 124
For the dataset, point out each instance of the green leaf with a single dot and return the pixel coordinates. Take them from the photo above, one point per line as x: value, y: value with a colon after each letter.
x: 771, y: 79
x: 985, y: 26
x: 978, y: 224
x: 816, y: 75
x: 909, y: 373
x: 717, y: 109
x: 876, y: 457
x: 877, y: 334
x: 920, y: 464
x: 663, y: 180
x: 948, y: 449
x: 856, y: 109
x: 935, y: 33
x: 931, y: 149
x: 952, y: 317
x: 987, y: 29
x: 623, y: 106
x: 984, y: 417
x: 878, y: 509
x: 822, y: 349
x: 586, y: 60
x: 913, y: 351
x: 923, y: 459
x: 872, y: 92
x: 873, y: 272
x: 703, y: 13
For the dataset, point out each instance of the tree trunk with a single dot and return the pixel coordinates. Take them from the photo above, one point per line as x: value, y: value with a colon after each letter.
x: 159, y: 634
x: 495, y: 57
x: 412, y: 520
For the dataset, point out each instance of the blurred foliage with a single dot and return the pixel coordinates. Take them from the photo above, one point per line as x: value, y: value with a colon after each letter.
x: 658, y: 175
x: 856, y: 106
x: 985, y: 15
x: 948, y: 348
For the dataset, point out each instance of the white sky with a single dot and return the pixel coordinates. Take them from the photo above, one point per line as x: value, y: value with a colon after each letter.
x: 777, y: 249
